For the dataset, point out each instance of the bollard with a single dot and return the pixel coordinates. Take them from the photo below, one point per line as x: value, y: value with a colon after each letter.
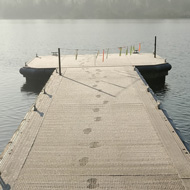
x: 159, y: 105
x: 35, y: 109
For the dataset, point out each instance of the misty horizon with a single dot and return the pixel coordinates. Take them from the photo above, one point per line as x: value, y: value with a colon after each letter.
x: 96, y: 9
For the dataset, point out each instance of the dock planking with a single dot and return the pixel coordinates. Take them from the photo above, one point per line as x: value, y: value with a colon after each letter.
x: 96, y: 127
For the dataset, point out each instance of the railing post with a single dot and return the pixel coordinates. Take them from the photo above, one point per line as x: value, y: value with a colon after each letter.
x: 155, y: 47
x: 59, y: 56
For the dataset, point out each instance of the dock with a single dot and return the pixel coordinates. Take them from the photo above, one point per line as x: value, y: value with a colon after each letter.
x: 96, y: 126
x: 154, y: 70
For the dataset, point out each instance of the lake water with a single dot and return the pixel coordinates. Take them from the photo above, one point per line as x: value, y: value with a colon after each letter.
x: 20, y: 40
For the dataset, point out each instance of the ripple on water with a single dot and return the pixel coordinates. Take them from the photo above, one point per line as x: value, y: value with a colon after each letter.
x: 14, y: 105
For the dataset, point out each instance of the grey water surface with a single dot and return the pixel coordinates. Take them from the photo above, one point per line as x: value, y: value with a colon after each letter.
x: 20, y: 40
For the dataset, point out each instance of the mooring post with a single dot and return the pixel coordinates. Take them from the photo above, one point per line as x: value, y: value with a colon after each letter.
x: 155, y: 47
x: 59, y: 56
x: 35, y: 108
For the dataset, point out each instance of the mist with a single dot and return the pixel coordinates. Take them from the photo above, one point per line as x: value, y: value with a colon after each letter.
x: 94, y: 9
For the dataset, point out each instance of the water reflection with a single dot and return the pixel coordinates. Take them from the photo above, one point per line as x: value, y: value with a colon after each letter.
x: 177, y: 124
x: 33, y: 87
x: 161, y: 91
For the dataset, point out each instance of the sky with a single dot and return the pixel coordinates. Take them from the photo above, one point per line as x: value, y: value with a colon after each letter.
x: 94, y: 9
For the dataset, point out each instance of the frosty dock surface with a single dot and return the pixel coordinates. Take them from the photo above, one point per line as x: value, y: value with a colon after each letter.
x: 96, y: 127
x: 154, y: 70
x: 93, y: 60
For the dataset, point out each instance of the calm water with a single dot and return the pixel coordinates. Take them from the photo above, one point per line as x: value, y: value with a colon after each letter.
x: 20, y: 40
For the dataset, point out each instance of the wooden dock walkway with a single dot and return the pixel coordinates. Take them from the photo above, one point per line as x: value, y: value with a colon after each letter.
x: 96, y: 127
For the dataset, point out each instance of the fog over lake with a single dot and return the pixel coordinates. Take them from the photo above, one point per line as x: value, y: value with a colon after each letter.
x: 94, y: 9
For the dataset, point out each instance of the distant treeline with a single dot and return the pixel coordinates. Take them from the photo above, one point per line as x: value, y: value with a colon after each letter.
x: 94, y: 9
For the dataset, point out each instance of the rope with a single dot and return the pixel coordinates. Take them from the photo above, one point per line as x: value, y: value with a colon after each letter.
x: 98, y: 49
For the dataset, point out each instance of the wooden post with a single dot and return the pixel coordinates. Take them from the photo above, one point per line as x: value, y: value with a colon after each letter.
x: 76, y: 54
x: 107, y: 53
x: 59, y: 56
x: 103, y: 56
x: 120, y: 51
x: 155, y: 47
